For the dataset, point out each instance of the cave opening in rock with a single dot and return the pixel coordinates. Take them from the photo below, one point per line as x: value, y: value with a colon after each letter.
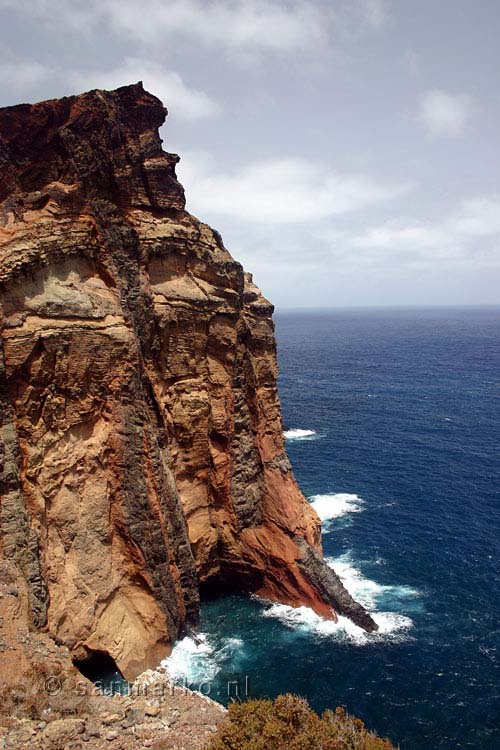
x: 100, y: 668
x: 229, y: 582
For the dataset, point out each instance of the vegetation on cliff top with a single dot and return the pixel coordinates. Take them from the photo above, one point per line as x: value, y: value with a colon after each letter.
x: 288, y: 723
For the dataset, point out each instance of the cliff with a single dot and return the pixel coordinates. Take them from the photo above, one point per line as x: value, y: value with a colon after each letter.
x: 141, y: 456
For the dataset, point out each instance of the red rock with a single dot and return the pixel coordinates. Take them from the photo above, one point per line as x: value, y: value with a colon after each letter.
x: 143, y: 453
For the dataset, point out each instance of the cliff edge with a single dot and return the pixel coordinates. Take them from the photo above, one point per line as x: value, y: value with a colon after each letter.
x: 141, y: 456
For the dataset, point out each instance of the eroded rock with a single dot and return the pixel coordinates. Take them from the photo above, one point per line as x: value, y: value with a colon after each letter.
x: 142, y: 453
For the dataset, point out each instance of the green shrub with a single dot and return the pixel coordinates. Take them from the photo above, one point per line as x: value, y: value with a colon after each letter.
x: 288, y: 723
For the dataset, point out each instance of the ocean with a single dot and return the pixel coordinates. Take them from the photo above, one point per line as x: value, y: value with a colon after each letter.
x: 393, y: 429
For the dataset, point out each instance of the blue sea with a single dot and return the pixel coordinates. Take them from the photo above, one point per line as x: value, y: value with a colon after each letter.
x: 393, y: 429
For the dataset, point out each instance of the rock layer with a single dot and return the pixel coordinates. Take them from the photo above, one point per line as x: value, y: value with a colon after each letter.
x: 142, y: 454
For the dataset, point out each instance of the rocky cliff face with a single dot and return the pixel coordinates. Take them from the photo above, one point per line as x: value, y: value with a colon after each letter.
x: 141, y: 451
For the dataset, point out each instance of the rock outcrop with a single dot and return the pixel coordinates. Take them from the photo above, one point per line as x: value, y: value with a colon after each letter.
x: 47, y: 704
x: 142, y: 455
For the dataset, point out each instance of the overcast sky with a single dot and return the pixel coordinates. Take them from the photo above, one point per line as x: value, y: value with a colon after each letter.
x: 348, y: 151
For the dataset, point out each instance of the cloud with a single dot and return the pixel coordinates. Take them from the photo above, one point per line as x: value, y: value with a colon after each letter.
x: 236, y: 24
x: 21, y: 79
x: 374, y: 12
x: 468, y: 234
x: 254, y: 24
x: 73, y: 15
x: 242, y: 28
x: 445, y: 114
x: 354, y: 18
x: 23, y: 74
x: 399, y: 238
x: 279, y: 191
x: 452, y: 259
x: 477, y: 217
x: 183, y: 102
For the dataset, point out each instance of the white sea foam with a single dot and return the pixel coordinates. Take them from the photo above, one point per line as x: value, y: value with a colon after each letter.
x: 299, y: 434
x: 393, y: 626
x: 336, y: 504
x: 197, y: 660
x: 367, y: 592
x: 191, y: 659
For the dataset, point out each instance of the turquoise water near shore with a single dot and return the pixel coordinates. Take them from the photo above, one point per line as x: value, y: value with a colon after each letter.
x: 394, y: 435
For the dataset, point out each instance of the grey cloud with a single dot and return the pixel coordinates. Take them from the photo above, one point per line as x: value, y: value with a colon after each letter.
x: 284, y: 189
x: 347, y: 150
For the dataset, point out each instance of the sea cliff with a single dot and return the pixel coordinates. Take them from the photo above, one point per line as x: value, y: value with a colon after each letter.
x: 142, y: 452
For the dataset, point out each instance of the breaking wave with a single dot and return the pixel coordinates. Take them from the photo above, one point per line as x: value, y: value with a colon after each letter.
x: 366, y: 591
x: 336, y: 504
x: 393, y: 625
x: 206, y: 657
x: 298, y: 434
x: 195, y: 660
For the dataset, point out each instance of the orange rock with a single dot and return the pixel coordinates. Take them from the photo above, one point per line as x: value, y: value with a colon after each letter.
x: 143, y: 454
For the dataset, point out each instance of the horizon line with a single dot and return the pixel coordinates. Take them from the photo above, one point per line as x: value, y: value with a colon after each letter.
x: 455, y: 306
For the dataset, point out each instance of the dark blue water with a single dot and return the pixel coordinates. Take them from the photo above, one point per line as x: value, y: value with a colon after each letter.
x: 406, y: 409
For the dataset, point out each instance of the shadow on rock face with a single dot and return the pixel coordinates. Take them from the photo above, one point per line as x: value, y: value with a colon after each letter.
x: 99, y: 666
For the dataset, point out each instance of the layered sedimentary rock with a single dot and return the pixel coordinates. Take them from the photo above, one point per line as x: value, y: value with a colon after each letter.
x: 141, y: 454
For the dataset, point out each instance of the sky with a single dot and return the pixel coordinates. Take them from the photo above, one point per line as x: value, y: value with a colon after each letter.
x: 347, y: 151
